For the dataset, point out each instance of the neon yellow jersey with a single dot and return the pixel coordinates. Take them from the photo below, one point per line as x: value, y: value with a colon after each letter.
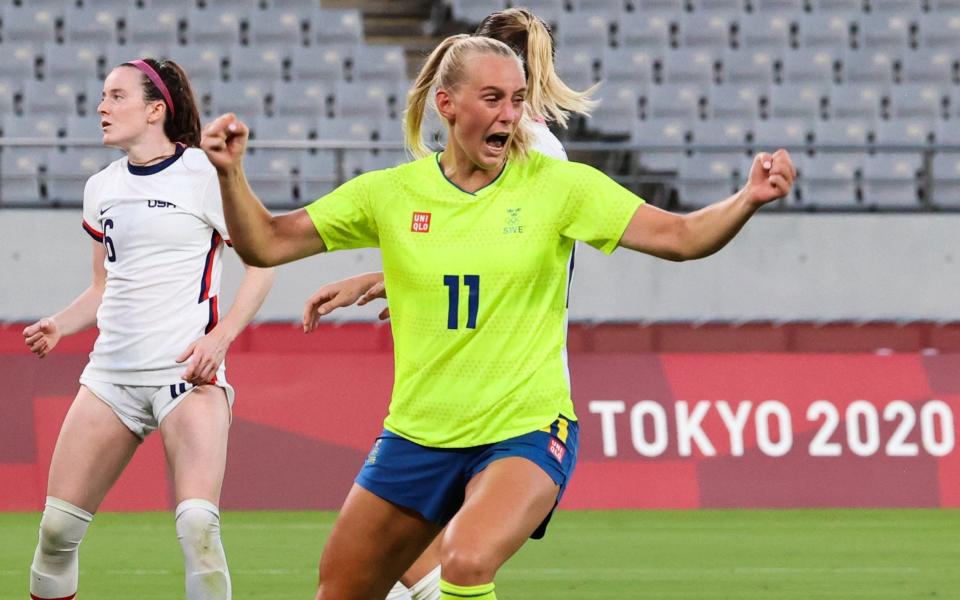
x: 477, y: 285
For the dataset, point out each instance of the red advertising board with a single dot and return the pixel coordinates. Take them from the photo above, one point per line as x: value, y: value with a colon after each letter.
x: 658, y: 430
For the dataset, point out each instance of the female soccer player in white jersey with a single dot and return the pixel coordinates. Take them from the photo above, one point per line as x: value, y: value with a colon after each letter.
x: 158, y: 229
x: 481, y: 435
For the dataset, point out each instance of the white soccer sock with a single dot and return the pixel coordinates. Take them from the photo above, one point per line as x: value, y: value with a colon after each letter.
x: 398, y: 592
x: 427, y: 588
x: 54, y: 571
x: 198, y: 529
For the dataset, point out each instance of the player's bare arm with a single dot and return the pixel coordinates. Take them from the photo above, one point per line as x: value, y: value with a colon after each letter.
x: 705, y: 231
x: 260, y: 238
x: 358, y: 289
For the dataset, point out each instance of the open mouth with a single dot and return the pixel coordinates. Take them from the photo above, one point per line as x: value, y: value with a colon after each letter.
x: 497, y: 141
x: 104, y: 125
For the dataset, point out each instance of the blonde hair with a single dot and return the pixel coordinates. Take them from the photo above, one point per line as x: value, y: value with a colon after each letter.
x: 446, y: 68
x: 547, y: 95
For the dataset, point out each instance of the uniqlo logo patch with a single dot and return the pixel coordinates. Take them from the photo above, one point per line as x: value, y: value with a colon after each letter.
x: 421, y: 222
x: 557, y: 450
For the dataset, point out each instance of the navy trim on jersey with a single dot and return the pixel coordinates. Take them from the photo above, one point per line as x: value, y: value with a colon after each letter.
x: 213, y: 307
x: 502, y: 169
x: 215, y: 240
x: 154, y: 169
x: 573, y: 253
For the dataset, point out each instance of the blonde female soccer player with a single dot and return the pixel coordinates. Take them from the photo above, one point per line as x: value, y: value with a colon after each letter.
x: 481, y: 435
x: 158, y: 363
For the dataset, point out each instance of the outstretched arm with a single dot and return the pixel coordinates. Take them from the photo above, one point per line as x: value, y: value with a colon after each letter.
x: 359, y: 289
x: 45, y: 334
x: 260, y: 238
x: 207, y: 353
x: 705, y: 231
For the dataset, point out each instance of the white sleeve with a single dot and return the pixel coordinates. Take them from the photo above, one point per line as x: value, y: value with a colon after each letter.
x: 546, y: 143
x: 91, y: 209
x: 213, y: 207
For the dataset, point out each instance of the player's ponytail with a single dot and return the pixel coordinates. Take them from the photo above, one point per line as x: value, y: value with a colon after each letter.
x: 547, y: 95
x: 445, y: 68
x: 182, y: 122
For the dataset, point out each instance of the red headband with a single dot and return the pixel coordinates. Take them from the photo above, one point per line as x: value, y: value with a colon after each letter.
x: 155, y: 78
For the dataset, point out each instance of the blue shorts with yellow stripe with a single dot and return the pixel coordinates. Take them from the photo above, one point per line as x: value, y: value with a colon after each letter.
x: 432, y: 481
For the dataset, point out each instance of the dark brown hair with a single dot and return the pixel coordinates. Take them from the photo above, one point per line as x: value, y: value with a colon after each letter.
x: 182, y: 124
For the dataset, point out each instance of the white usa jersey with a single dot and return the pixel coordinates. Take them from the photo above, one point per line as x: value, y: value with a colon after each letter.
x: 545, y: 142
x: 164, y: 231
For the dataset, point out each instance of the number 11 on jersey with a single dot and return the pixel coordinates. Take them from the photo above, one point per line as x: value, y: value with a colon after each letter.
x: 473, y: 300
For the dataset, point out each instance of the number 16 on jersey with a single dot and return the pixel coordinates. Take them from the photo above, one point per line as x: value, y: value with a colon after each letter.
x: 473, y: 300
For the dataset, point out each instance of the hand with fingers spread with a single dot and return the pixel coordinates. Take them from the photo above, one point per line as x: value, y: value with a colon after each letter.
x: 42, y: 337
x: 359, y: 289
x: 205, y: 357
x: 771, y: 177
x: 224, y: 140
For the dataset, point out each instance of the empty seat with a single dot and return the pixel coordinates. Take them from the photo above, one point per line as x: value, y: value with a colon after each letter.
x: 317, y: 174
x: 844, y: 7
x: 270, y: 176
x: 612, y: 8
x: 576, y: 67
x: 849, y: 131
x: 362, y: 100
x: 89, y: 25
x: 83, y: 128
x: 278, y: 26
x: 890, y: 31
x: 380, y: 63
x: 829, y: 180
x: 285, y: 129
x: 548, y: 10
x: 50, y: 97
x: 735, y: 102
x: 679, y: 101
x: 21, y: 176
x: 939, y: 30
x: 945, y: 180
x: 324, y: 63
x: 336, y: 26
x: 783, y: 7
x: 721, y: 133
x: 802, y: 101
x: 19, y: 60
x: 153, y: 25
x: 824, y: 30
x: 854, y: 101
x: 261, y: 63
x: 69, y: 169
x: 302, y: 98
x: 587, y: 30
x: 705, y: 30
x: 658, y: 6
x: 718, y: 6
x: 875, y: 66
x: 117, y: 55
x: 246, y: 98
x: 662, y: 143
x: 903, y: 132
x: 344, y: 130
x: 917, y: 101
x: 74, y: 63
x: 640, y: 29
x: 10, y: 89
x: 688, y: 65
x: 617, y: 111
x: 890, y: 180
x: 702, y: 178
x: 896, y: 6
x: 755, y: 66
x: 220, y: 27
x: 807, y: 65
x: 793, y: 134
x: 33, y: 24
x: 947, y: 132
x: 929, y: 66
x: 630, y: 66
x: 763, y: 30
x: 201, y: 62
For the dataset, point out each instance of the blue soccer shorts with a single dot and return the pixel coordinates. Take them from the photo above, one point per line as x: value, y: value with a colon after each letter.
x: 432, y: 481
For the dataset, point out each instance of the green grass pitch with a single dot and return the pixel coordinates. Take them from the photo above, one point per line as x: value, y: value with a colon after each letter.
x: 656, y: 555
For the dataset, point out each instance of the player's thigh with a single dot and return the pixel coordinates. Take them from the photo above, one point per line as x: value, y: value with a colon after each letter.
x: 503, y: 505
x: 92, y: 450
x: 195, y: 440
x: 426, y: 562
x: 373, y: 541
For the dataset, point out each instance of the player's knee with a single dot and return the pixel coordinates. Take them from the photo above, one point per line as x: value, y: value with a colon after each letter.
x: 62, y: 528
x: 467, y: 565
x: 198, y: 529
